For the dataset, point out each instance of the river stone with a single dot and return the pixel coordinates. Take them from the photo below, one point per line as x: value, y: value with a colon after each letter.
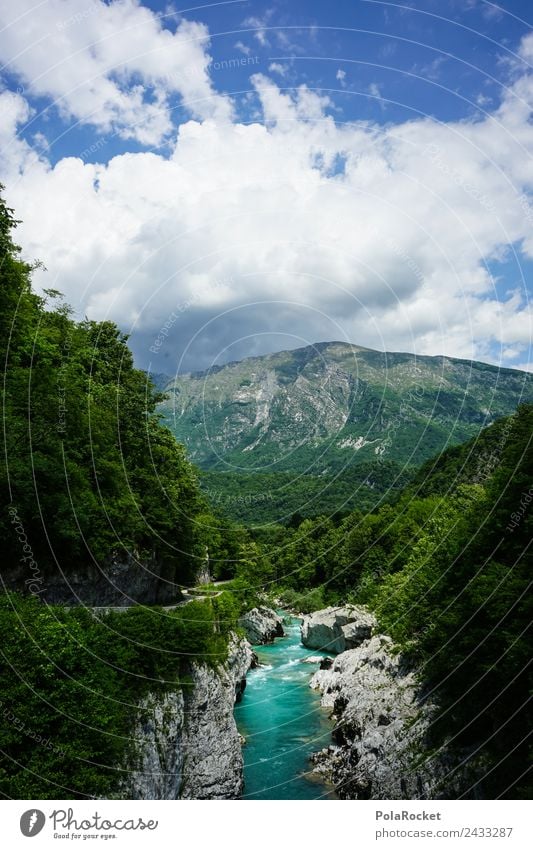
x: 261, y: 625
x: 337, y: 629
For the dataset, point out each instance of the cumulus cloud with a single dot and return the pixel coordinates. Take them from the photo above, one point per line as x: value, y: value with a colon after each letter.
x: 113, y: 66
x: 295, y: 228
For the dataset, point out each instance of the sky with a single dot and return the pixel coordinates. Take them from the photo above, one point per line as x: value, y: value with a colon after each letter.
x: 236, y: 178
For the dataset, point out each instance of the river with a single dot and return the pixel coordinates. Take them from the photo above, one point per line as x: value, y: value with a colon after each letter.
x: 282, y: 721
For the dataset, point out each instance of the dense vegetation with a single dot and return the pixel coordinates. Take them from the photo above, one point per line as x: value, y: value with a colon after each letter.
x: 88, y: 474
x: 447, y: 569
x: 253, y: 499
x: 70, y: 684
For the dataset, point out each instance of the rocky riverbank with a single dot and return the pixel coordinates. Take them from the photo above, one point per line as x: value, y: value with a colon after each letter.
x: 380, y: 748
x: 185, y: 741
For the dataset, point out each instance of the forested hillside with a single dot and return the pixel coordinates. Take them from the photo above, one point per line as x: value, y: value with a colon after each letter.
x: 447, y: 570
x: 71, y: 684
x: 256, y: 499
x: 90, y: 474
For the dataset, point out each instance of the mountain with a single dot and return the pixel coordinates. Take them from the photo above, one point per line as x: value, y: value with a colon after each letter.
x: 328, y: 410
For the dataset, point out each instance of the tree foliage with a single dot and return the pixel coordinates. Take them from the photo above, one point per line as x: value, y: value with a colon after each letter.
x: 71, y: 685
x: 447, y: 570
x: 89, y: 468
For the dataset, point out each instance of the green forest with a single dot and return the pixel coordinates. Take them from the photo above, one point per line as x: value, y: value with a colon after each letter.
x: 262, y: 498
x: 90, y: 473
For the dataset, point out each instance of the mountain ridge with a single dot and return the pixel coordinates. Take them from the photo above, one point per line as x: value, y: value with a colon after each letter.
x: 213, y: 369
x: 328, y: 408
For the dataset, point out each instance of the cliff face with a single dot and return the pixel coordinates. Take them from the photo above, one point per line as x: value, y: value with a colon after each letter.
x: 186, y: 743
x: 119, y: 581
x: 213, y: 766
x: 155, y: 770
x: 380, y: 748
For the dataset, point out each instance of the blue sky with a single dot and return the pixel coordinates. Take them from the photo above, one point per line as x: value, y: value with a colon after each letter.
x: 400, y: 60
x: 221, y: 177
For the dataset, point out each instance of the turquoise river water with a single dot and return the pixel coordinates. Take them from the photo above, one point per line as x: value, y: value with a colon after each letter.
x: 282, y: 721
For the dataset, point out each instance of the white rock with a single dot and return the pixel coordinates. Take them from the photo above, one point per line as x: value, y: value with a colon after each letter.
x: 261, y: 625
x: 186, y: 743
x: 380, y: 728
x: 337, y: 629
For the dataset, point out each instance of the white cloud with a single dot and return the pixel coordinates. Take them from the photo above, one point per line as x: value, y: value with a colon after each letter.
x: 40, y: 142
x: 243, y: 48
x: 259, y: 25
x: 526, y: 48
x: 113, y: 66
x: 377, y: 234
x: 341, y: 77
x: 375, y: 92
x: 279, y: 108
x: 15, y: 154
x: 483, y: 101
x: 278, y: 68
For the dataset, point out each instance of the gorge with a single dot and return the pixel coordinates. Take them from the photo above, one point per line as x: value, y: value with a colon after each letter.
x: 363, y: 737
x: 323, y: 708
